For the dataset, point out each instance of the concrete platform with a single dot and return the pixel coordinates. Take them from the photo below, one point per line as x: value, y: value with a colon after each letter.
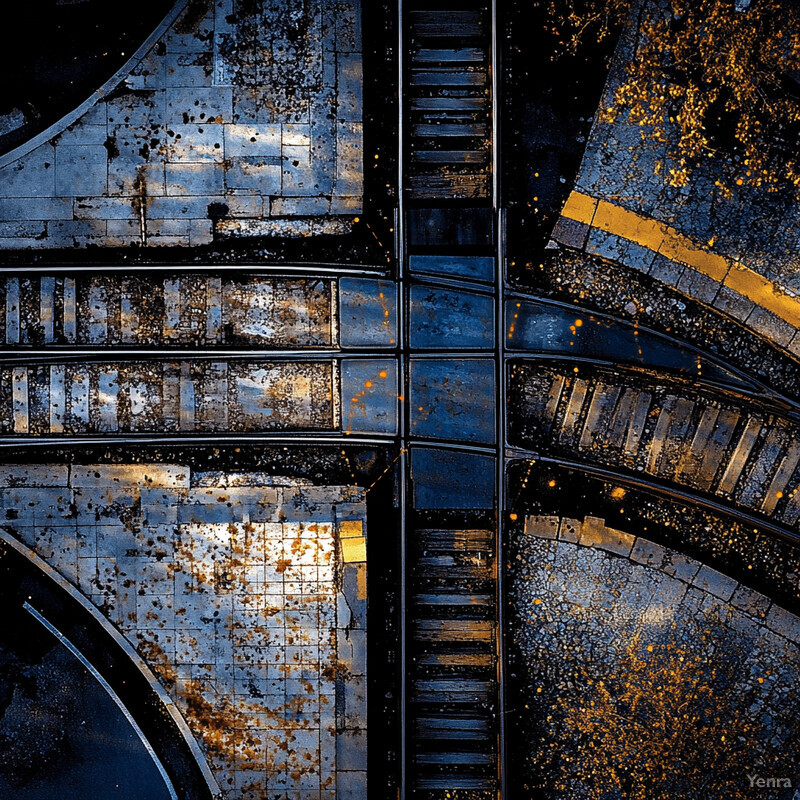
x: 227, y: 126
x: 245, y: 595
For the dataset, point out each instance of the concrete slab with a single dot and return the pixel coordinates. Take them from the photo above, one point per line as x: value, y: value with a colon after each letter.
x: 452, y: 399
x: 228, y: 102
x: 367, y: 312
x: 452, y: 320
x: 369, y: 396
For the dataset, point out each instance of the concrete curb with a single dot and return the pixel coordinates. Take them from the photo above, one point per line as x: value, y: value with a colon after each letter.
x: 73, y: 116
x: 592, y: 532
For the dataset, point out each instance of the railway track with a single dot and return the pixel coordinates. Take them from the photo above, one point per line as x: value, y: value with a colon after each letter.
x: 448, y: 101
x: 452, y: 686
x: 452, y: 695
x: 710, y: 442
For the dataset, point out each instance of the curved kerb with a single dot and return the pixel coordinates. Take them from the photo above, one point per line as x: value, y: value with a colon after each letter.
x: 188, y: 737
x: 73, y: 116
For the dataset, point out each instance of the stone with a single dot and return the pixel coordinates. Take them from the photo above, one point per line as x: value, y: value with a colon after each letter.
x: 784, y: 623
x: 542, y: 526
x: 754, y: 603
x: 648, y: 553
x: 709, y: 580
x: 594, y: 533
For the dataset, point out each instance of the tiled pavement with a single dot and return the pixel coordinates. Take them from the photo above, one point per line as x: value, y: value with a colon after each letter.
x: 245, y: 594
x: 243, y: 119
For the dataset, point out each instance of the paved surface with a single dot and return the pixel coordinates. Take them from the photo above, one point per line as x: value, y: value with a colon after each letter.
x: 609, y: 230
x: 243, y: 119
x: 246, y: 595
x: 752, y: 226
x: 583, y: 592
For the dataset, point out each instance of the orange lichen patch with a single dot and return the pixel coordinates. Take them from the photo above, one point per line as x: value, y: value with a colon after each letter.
x: 663, y: 704
x: 721, y: 54
x: 158, y: 660
x: 219, y: 724
x: 335, y: 670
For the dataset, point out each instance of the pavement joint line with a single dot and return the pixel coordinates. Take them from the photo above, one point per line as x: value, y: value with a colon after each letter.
x: 669, y: 242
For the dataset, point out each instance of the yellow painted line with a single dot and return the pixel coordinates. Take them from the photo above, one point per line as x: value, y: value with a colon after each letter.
x: 621, y: 222
x: 764, y: 293
x: 674, y: 245
x: 580, y: 207
x: 678, y: 247
x: 361, y: 581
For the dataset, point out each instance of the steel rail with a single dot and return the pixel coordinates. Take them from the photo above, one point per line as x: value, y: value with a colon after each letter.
x: 307, y: 268
x: 404, y: 466
x: 500, y: 413
x: 661, y: 488
x: 516, y: 294
x: 165, y: 354
x: 238, y: 439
